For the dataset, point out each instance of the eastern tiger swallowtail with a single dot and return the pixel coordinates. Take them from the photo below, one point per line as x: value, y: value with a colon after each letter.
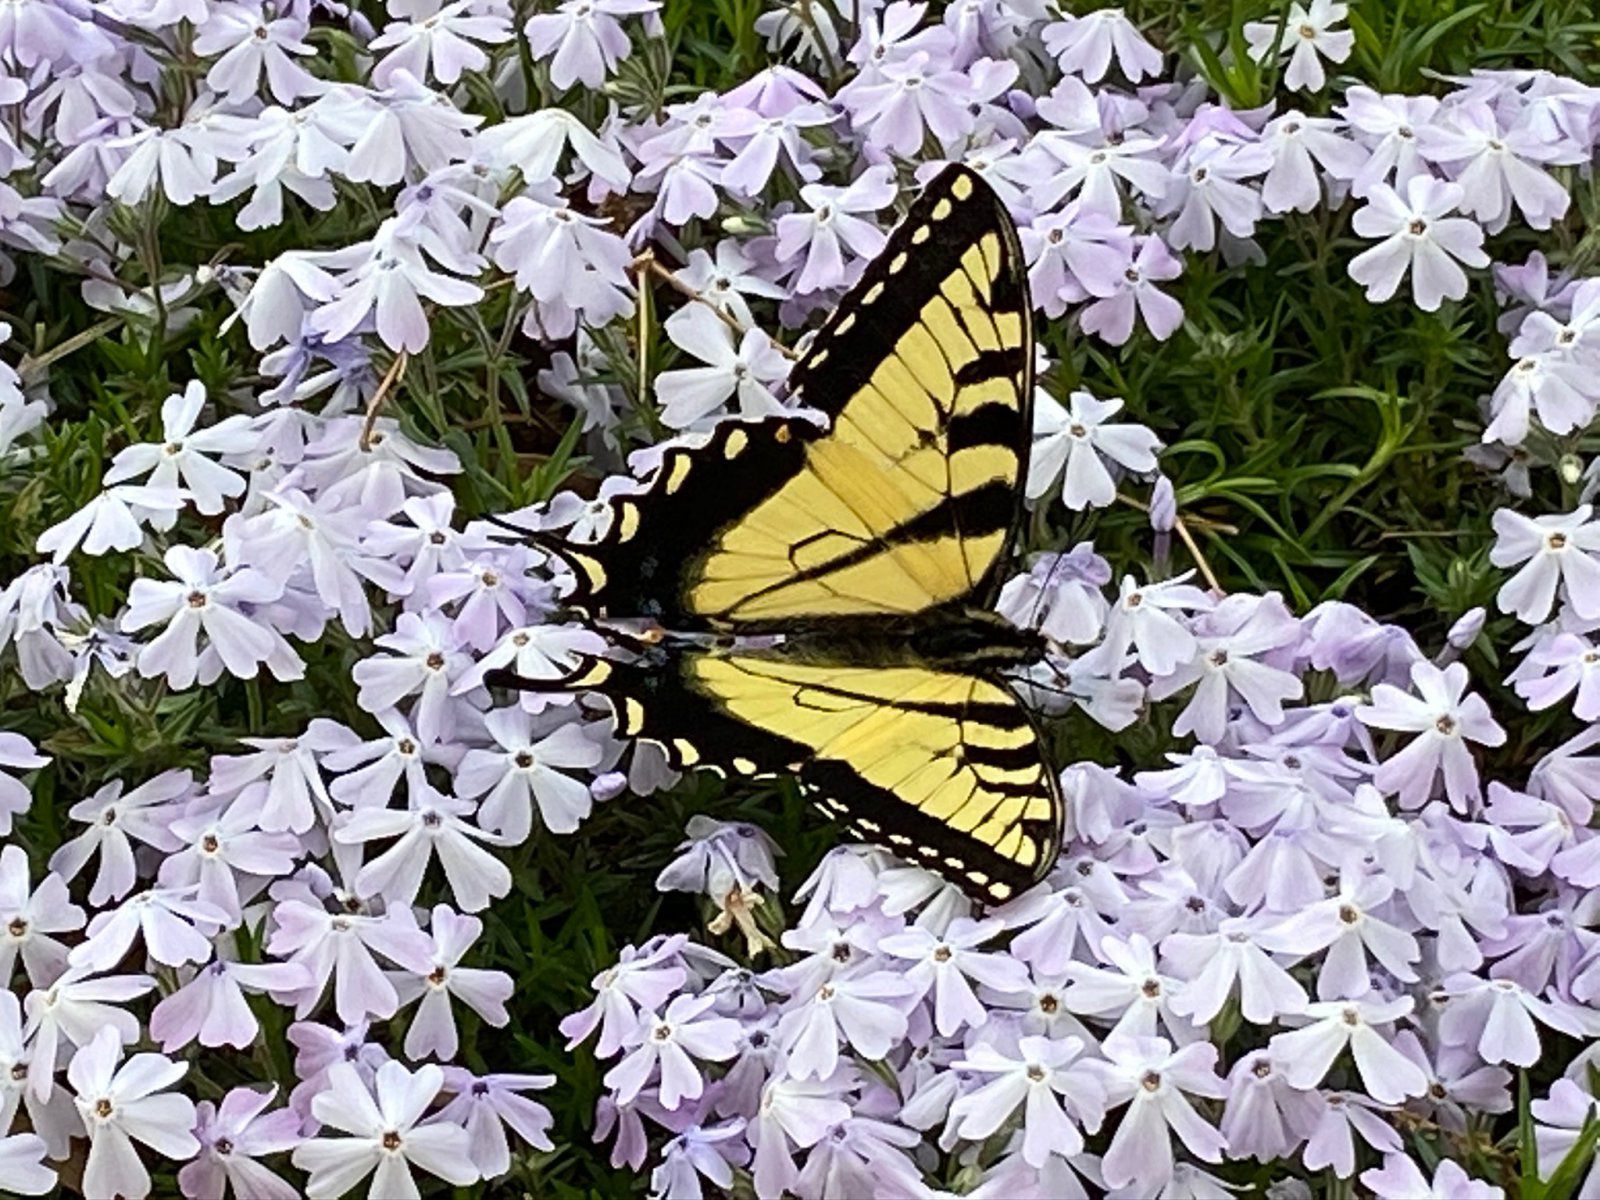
x: 825, y: 593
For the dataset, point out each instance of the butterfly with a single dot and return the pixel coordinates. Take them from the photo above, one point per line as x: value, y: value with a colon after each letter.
x: 819, y: 599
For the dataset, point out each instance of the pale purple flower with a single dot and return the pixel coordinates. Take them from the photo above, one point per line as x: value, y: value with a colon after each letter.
x: 184, y: 459
x: 1129, y: 990
x: 1265, y: 1118
x: 424, y: 662
x: 27, y: 919
x: 1349, y: 926
x: 1306, y: 37
x: 1444, y: 718
x: 836, y: 227
x: 947, y: 966
x: 1499, y: 1018
x: 341, y: 947
x: 232, y: 1136
x: 642, y: 978
x: 719, y: 857
x: 1331, y: 1139
x: 1210, y: 188
x: 1497, y: 169
x: 1047, y: 1079
x: 1213, y: 964
x: 527, y: 769
x: 113, y: 520
x: 1085, y: 45
x: 443, y: 44
x: 114, y: 823
x: 205, y: 599
x: 486, y: 1106
x: 700, y: 1151
x: 1156, y: 1078
x: 251, y: 42
x: 1559, y: 1119
x: 793, y: 1113
x: 70, y: 1012
x: 388, y: 1135
x: 583, y: 38
x: 288, y: 792
x: 1141, y: 620
x: 865, y: 1011
x: 744, y: 371
x: 570, y: 262
x: 673, y: 1042
x: 1401, y: 1179
x: 175, y: 928
x: 16, y: 754
x: 1237, y: 648
x: 904, y: 101
x: 1556, y: 549
x: 1070, y: 443
x: 22, y: 1164
x: 211, y: 1007
x: 434, y: 827
x: 1132, y: 291
x: 485, y: 992
x: 123, y: 1105
x: 1308, y: 1054
x: 1299, y: 145
x: 387, y: 279
x: 1418, y: 236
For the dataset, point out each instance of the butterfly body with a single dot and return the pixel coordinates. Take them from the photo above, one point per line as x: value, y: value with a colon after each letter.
x: 816, y: 597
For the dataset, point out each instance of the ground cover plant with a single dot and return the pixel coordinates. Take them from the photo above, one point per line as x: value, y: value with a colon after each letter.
x: 299, y: 295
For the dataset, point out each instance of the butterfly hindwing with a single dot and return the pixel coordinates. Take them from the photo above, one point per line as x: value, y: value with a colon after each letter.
x: 906, y: 502
x: 938, y: 766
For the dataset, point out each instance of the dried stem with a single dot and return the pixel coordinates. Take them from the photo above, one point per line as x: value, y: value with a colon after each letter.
x: 396, y: 371
x: 1187, y: 537
x: 646, y: 263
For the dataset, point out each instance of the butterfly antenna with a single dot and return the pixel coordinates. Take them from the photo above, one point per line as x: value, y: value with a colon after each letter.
x: 539, y: 539
x: 589, y: 673
x: 1037, y: 615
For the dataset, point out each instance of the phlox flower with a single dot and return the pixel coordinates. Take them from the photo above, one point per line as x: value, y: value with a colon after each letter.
x: 183, y: 459
x: 175, y: 927
x: 1060, y: 595
x: 1330, y: 1141
x: 123, y: 1105
x: 1555, y: 550
x: 525, y: 769
x: 776, y: 138
x: 535, y: 142
x: 709, y: 1152
x: 204, y: 599
x: 1128, y: 990
x: 22, y: 1164
x: 1559, y: 1118
x: 1212, y: 964
x: 543, y: 652
x: 436, y: 826
x: 744, y: 370
x: 387, y: 278
x: 793, y: 1114
x: 181, y: 163
x: 1047, y: 1079
x: 866, y: 1011
x: 1401, y: 1179
x: 1348, y: 927
x: 113, y: 520
x: 211, y: 1007
x: 1499, y: 1019
x: 1306, y: 37
x: 719, y: 857
x: 486, y: 1106
x: 642, y: 978
x: 1265, y: 1118
x: 1497, y: 169
x: 1141, y: 621
x: 232, y: 1135
x: 16, y: 754
x: 583, y: 38
x: 1237, y: 645
x: 367, y: 772
x: 906, y: 100
x: 114, y: 822
x: 947, y: 966
x: 1307, y: 1054
x: 1069, y: 443
x: 570, y: 262
x: 1299, y: 145
x: 1121, y: 295
x: 1155, y: 1078
x: 1210, y: 188
x: 686, y: 1032
x: 341, y: 947
x: 423, y: 662
x: 1418, y: 236
x: 252, y: 41
x: 442, y: 44
x: 433, y: 1027
x: 289, y: 792
x: 388, y: 1135
x: 1445, y: 718
x: 1085, y: 45
x: 28, y: 918
x: 836, y: 226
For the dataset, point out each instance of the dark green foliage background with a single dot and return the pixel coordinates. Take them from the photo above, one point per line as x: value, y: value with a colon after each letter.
x: 1315, y: 440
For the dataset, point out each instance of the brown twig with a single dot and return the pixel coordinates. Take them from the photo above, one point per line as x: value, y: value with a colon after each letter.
x: 1187, y: 538
x: 396, y: 371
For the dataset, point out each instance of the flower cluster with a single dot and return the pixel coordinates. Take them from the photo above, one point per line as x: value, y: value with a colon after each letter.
x: 1320, y: 925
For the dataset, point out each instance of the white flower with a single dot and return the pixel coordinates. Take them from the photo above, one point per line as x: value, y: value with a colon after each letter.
x: 443, y: 41
x: 183, y: 456
x: 120, y: 1106
x: 433, y: 1028
x: 526, y: 769
x: 1556, y: 550
x: 250, y: 42
x: 22, y: 1164
x: 1417, y: 236
x: 1072, y: 441
x: 1308, y: 1054
x: 1154, y: 1077
x: 744, y: 371
x: 1085, y: 45
x: 1308, y: 37
x: 435, y: 827
x: 112, y: 520
x: 386, y: 1136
